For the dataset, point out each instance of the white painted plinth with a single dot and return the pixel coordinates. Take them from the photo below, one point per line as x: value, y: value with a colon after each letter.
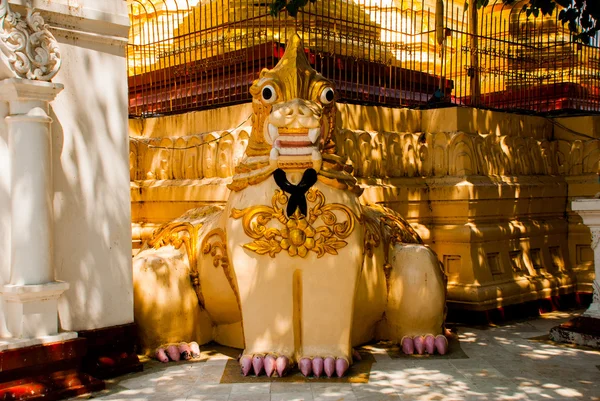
x: 589, y: 210
x: 14, y: 343
x: 30, y: 310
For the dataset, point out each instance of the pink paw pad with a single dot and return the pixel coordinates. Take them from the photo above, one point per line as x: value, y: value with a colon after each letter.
x: 419, y: 343
x: 441, y: 344
x: 173, y: 353
x: 341, y: 366
x: 408, y: 346
x: 317, y: 366
x: 270, y: 365
x: 184, y: 351
x: 258, y: 364
x: 246, y: 364
x: 282, y: 364
x: 329, y: 366
x: 195, y: 349
x: 305, y: 366
x: 161, y: 355
x: 430, y: 344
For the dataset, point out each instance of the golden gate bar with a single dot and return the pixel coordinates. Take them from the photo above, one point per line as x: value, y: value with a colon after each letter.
x: 186, y: 55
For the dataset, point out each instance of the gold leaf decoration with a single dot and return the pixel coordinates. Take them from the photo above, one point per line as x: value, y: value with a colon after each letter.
x: 384, y: 226
x: 298, y: 235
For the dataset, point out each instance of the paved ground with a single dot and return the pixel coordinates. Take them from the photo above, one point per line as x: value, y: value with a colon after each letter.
x: 503, y: 363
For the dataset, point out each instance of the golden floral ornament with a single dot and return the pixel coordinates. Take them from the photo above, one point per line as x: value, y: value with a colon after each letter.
x: 298, y: 235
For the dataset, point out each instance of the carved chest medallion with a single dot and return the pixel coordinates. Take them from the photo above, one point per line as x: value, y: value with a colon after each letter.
x: 322, y: 231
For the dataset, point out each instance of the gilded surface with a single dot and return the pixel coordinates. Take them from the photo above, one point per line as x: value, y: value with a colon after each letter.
x: 214, y: 244
x: 372, y: 237
x: 384, y: 225
x: 321, y: 306
x: 279, y: 138
x: 298, y: 234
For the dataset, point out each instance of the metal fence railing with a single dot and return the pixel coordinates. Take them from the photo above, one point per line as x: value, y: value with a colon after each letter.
x: 187, y: 55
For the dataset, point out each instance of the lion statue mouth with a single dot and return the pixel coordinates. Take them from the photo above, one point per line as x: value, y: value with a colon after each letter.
x: 294, y: 131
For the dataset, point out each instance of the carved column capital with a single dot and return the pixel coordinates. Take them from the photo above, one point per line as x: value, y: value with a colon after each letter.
x: 27, y: 45
x: 589, y: 210
x: 595, y: 230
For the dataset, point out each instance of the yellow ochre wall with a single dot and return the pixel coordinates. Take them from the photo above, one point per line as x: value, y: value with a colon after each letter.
x: 490, y: 192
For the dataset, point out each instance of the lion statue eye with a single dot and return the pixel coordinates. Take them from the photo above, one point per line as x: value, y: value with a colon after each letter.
x: 268, y: 94
x: 327, y: 95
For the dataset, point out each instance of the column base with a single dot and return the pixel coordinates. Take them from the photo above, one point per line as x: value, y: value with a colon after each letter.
x: 593, y: 311
x: 582, y: 330
x: 45, y: 372
x: 15, y: 343
x: 32, y: 310
x: 111, y: 351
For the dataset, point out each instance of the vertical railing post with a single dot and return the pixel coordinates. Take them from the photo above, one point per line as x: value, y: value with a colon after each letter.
x: 440, y: 39
x: 475, y: 84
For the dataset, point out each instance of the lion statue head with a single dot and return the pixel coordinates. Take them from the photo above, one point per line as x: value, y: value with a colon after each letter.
x: 293, y: 126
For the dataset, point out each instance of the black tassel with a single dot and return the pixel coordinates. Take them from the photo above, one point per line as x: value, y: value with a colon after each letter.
x: 297, y: 192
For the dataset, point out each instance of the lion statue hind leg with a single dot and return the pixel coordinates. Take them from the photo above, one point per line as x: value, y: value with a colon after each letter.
x: 415, y: 311
x: 168, y: 302
x: 416, y: 283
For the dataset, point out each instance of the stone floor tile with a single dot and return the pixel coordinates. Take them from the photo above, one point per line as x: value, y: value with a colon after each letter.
x: 422, y: 393
x: 335, y: 397
x: 208, y: 397
x: 487, y: 372
x: 214, y: 388
x: 176, y: 389
x: 165, y: 397
x: 292, y: 396
x: 377, y: 397
x: 285, y: 387
x: 324, y: 386
x: 209, y: 379
x: 217, y: 362
x: 251, y: 388
x: 250, y: 397
x: 375, y: 392
x: 212, y: 369
x: 503, y: 364
x: 138, y: 380
x: 332, y: 391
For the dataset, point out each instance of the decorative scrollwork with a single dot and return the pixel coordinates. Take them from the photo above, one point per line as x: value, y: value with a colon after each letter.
x: 372, y: 236
x: 215, y: 244
x: 299, y: 235
x: 398, y: 230
x: 216, y: 248
x: 178, y: 234
x: 31, y: 49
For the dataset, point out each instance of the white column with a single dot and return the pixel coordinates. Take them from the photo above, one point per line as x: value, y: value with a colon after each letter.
x: 594, y: 309
x: 589, y: 210
x: 31, y: 179
x: 31, y: 296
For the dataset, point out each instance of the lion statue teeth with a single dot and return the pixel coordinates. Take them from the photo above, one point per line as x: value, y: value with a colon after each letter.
x: 294, y: 270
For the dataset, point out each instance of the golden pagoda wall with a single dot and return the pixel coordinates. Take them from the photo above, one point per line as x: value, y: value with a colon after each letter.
x: 488, y: 191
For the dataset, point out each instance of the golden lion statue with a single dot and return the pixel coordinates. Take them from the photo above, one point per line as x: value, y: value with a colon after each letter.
x: 294, y: 270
